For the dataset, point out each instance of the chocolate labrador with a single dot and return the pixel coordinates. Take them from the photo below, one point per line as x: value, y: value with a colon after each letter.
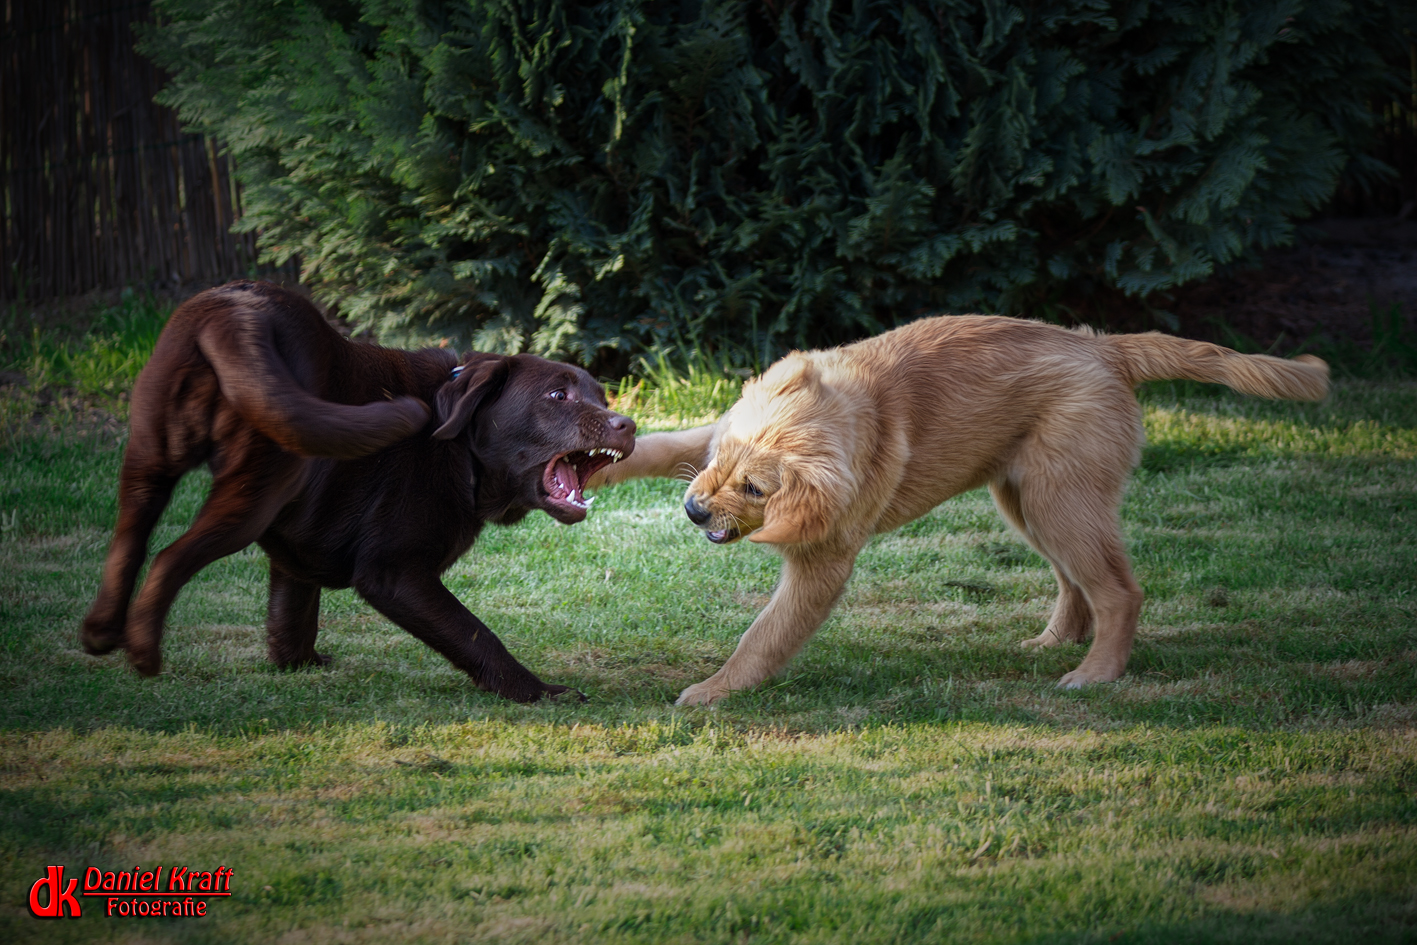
x: 325, y: 452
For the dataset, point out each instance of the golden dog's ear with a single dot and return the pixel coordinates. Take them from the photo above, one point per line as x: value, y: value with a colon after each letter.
x: 791, y: 374
x: 800, y: 512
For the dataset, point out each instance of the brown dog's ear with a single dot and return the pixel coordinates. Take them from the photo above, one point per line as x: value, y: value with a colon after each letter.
x: 800, y: 512
x: 458, y: 400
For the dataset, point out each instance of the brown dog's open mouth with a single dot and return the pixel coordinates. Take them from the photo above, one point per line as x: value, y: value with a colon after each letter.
x: 565, y: 478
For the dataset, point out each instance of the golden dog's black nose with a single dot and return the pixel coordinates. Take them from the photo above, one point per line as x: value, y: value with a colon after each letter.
x: 697, y: 513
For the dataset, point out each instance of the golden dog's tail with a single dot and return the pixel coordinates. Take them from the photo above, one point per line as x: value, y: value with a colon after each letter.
x: 1156, y: 357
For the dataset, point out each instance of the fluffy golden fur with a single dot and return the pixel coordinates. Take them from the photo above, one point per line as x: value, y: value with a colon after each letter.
x: 829, y: 448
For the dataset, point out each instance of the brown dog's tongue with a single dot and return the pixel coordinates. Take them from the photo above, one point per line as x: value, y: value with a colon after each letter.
x: 565, y: 474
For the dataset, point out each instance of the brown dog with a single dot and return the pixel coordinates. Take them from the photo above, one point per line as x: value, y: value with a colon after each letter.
x: 325, y: 453
x: 829, y: 448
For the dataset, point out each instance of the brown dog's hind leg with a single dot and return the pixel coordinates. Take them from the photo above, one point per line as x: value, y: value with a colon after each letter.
x: 293, y: 621
x: 142, y: 496
x: 243, y: 502
x: 1072, y: 619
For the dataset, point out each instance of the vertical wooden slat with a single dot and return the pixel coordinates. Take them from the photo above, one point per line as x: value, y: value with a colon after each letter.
x: 99, y: 187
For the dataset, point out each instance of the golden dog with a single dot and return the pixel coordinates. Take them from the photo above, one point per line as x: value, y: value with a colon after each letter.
x: 829, y: 448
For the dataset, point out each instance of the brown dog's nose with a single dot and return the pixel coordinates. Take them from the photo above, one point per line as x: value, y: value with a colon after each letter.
x: 697, y: 513
x: 622, y: 424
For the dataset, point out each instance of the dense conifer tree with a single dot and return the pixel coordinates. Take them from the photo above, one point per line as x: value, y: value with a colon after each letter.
x: 570, y: 177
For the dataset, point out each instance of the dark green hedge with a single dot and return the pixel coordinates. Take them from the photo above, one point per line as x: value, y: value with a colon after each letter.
x: 572, y: 178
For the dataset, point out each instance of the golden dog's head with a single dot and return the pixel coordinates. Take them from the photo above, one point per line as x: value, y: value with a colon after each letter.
x: 779, y: 474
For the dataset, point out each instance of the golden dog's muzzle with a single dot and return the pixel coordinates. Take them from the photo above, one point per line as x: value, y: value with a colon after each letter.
x: 704, y: 518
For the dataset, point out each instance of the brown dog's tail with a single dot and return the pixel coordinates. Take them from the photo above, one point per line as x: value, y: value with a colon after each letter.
x: 259, y: 384
x: 1156, y: 357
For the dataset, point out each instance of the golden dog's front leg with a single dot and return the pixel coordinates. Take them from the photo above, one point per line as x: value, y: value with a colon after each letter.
x: 810, y: 585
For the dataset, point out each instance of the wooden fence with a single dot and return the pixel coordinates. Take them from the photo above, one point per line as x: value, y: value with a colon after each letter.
x: 99, y: 187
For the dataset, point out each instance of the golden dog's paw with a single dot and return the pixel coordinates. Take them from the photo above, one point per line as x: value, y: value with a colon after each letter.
x: 700, y: 694
x: 1081, y: 677
x: 1049, y: 637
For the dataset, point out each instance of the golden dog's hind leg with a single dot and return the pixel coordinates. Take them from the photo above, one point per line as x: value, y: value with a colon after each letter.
x: 1075, y: 522
x: 1072, y: 618
x: 808, y: 590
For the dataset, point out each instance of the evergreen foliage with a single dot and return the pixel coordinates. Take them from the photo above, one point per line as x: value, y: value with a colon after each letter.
x: 576, y: 178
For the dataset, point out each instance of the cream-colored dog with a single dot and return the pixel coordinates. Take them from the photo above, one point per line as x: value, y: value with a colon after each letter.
x: 828, y: 448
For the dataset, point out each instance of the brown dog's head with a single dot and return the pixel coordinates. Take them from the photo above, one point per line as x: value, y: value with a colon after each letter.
x: 781, y: 472
x: 543, y: 428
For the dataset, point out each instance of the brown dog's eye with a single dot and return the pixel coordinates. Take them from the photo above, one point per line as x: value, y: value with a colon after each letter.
x: 557, y: 395
x: 752, y: 490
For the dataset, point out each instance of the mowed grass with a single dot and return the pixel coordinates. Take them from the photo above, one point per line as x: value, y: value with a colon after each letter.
x: 914, y: 775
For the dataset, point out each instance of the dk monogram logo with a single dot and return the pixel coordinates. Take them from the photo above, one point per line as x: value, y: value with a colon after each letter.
x: 60, y: 896
x: 131, y: 893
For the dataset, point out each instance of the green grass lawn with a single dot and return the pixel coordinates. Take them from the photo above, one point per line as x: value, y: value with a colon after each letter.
x: 914, y: 776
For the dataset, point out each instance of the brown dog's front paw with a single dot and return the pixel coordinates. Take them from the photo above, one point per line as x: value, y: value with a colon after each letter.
x: 313, y: 661
x: 98, y: 639
x: 562, y: 694
x: 147, y: 662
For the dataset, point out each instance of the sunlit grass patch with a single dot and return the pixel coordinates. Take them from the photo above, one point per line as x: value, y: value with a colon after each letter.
x: 1190, y: 423
x: 1206, y: 437
x: 666, y: 395
x: 76, y: 381
x: 913, y: 775
x: 679, y: 828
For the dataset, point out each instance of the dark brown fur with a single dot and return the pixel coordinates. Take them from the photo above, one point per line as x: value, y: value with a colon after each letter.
x: 326, y: 453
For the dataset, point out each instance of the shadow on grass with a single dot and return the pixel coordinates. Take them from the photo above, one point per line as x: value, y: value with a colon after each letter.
x: 1281, y: 668
x: 40, y: 816
x: 1376, y: 917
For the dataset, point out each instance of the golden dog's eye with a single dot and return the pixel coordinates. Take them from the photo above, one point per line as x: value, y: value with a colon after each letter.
x: 752, y: 490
